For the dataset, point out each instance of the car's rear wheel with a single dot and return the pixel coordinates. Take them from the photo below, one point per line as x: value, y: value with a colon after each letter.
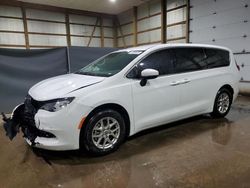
x: 222, y: 103
x: 104, y: 132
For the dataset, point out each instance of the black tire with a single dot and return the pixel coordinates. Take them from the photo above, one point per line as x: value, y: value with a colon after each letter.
x: 217, y: 113
x: 87, y: 138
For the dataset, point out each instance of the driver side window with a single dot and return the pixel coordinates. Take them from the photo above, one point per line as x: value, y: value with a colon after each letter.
x: 161, y: 61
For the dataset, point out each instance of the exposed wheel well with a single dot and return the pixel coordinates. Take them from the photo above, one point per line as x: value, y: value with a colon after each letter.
x: 112, y: 106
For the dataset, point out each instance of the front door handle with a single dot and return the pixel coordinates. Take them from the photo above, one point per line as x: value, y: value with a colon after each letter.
x: 176, y: 83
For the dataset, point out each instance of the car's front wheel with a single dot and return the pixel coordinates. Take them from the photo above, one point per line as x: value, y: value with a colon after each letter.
x: 104, y: 132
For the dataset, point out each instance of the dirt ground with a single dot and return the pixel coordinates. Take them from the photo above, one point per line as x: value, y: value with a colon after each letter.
x: 197, y: 152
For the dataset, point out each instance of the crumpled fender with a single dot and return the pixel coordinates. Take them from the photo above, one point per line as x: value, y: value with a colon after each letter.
x: 22, y: 118
x: 12, y: 125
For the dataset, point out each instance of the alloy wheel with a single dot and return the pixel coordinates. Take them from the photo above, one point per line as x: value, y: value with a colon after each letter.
x: 223, y: 103
x: 105, y: 133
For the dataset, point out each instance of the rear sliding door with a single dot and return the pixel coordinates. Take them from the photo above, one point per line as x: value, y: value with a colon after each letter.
x: 197, y: 82
x: 203, y: 73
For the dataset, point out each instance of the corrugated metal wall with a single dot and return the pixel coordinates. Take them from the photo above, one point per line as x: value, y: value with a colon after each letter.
x: 145, y: 21
x: 137, y: 26
x: 49, y: 29
x: 149, y: 22
x: 176, y: 21
x: 125, y: 29
x: 225, y: 23
x: 9, y: 24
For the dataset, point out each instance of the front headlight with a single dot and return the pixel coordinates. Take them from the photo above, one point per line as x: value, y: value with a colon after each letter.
x: 57, y: 104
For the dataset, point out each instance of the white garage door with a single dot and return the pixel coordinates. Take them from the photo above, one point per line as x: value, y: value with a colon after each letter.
x: 225, y: 23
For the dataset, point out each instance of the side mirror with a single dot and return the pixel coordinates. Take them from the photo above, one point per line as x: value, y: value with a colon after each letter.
x: 147, y: 74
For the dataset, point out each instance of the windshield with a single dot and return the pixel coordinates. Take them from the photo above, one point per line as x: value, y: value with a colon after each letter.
x: 110, y: 64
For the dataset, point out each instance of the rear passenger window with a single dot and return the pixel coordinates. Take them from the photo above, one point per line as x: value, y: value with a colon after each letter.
x: 217, y: 58
x: 189, y: 59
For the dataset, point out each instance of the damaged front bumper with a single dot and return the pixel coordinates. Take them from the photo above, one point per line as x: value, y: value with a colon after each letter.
x: 47, y: 130
x: 22, y: 118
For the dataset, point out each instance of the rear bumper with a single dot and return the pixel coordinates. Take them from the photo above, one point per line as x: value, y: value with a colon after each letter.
x: 236, y: 92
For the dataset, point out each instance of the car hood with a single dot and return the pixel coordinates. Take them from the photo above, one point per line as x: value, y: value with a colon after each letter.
x: 58, y: 87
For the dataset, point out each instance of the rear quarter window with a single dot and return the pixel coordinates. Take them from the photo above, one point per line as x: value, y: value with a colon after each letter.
x: 217, y: 58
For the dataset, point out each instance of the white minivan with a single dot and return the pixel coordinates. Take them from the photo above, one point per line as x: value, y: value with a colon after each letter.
x: 125, y: 92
